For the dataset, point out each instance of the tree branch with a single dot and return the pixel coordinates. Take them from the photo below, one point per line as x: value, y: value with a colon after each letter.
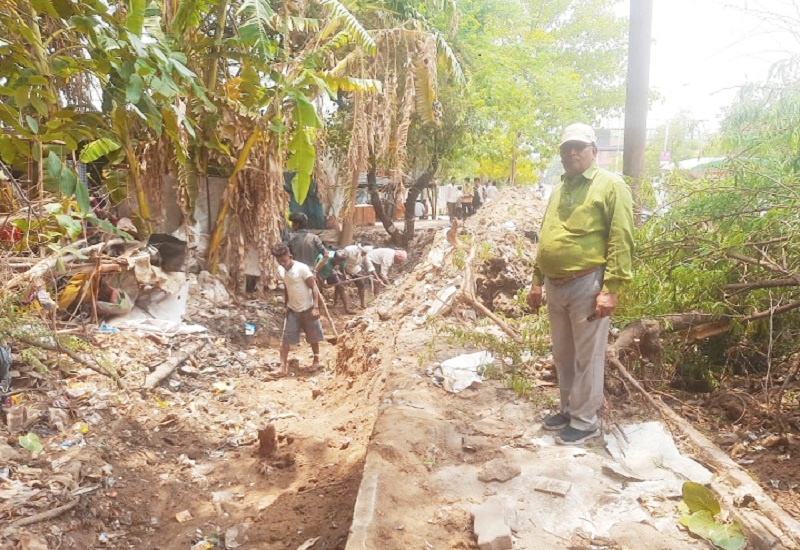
x: 58, y: 348
x: 755, y: 261
x: 773, y: 283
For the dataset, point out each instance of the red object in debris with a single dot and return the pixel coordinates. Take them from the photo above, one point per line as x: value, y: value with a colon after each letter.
x: 10, y: 233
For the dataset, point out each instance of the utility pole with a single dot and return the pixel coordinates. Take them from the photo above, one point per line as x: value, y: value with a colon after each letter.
x: 638, y: 86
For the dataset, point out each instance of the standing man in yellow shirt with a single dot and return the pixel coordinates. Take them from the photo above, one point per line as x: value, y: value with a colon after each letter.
x: 583, y: 258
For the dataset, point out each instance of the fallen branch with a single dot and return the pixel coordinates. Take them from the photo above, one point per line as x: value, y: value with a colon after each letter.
x: 755, y: 261
x: 166, y: 368
x: 771, y: 312
x: 49, y: 263
x: 680, y: 321
x: 774, y: 283
x: 642, y: 337
x: 42, y: 516
x: 500, y: 323
x: 766, y: 525
x: 58, y: 348
x: 702, y: 326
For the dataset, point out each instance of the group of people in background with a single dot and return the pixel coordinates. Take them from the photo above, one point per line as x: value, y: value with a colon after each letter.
x: 464, y: 200
x: 305, y: 266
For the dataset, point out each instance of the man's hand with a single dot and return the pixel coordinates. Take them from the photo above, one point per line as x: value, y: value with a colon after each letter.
x: 605, y: 304
x: 315, y: 312
x: 535, y: 298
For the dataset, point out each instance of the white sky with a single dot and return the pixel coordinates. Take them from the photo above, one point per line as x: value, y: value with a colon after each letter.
x: 704, y: 50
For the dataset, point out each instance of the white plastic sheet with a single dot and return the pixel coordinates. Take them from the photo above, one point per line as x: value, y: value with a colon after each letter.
x: 463, y: 371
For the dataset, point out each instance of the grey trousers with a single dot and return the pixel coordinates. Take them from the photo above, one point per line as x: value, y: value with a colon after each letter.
x: 579, y: 347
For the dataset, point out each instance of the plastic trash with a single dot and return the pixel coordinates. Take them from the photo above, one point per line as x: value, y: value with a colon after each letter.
x: 5, y: 368
x: 249, y: 329
x: 443, y: 298
x: 463, y: 371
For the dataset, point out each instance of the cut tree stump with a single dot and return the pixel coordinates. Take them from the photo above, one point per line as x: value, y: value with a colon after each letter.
x: 267, y: 442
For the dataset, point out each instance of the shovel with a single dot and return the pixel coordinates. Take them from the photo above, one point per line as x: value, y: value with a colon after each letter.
x: 335, y: 338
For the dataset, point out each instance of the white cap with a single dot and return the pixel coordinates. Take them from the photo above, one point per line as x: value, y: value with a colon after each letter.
x: 578, y: 132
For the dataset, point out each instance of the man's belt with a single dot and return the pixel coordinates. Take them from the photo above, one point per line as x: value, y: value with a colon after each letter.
x: 561, y: 281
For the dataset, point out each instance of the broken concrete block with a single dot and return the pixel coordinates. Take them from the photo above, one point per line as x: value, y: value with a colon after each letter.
x: 490, y: 527
x: 500, y: 470
x: 551, y: 486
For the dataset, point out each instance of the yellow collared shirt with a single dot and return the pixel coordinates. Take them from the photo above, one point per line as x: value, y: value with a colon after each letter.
x: 588, y: 223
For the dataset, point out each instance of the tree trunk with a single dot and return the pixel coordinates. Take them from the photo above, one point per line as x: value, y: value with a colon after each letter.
x: 348, y: 226
x: 347, y: 232
x: 377, y: 204
x: 422, y: 182
x: 512, y: 178
x: 233, y: 182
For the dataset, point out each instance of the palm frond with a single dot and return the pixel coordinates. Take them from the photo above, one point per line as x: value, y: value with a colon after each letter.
x: 258, y: 21
x: 425, y: 77
x: 350, y: 84
x: 360, y: 34
x: 449, y: 59
x: 339, y: 40
x: 302, y: 24
x: 406, y: 111
x: 301, y: 161
x: 343, y: 66
x: 134, y: 20
x: 424, y: 94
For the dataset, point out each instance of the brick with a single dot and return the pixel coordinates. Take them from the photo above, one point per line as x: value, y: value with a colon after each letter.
x: 490, y: 527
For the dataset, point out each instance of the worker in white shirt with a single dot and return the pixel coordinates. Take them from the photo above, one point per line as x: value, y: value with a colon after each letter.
x: 357, y: 268
x: 381, y: 260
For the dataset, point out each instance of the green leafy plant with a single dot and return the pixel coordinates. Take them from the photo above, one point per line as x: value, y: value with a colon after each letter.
x: 459, y: 259
x: 30, y: 442
x: 702, y: 516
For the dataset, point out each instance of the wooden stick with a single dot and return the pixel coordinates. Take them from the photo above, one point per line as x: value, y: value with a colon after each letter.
x: 500, y: 323
x: 166, y: 368
x: 755, y: 261
x: 330, y: 319
x: 766, y: 525
x: 42, y: 516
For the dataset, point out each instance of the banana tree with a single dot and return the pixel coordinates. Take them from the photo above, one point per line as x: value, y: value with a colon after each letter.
x: 41, y: 69
x: 410, y: 51
x: 89, y: 50
x: 292, y: 54
x: 146, y: 88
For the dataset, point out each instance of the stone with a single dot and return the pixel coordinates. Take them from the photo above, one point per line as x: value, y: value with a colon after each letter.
x: 551, y: 486
x: 490, y: 527
x: 500, y: 470
x: 490, y: 426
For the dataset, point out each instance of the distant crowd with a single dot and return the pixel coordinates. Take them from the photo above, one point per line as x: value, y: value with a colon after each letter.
x: 464, y: 200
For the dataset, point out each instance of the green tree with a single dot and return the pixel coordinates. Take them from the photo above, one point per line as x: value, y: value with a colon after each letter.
x: 535, y: 66
x: 724, y: 248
